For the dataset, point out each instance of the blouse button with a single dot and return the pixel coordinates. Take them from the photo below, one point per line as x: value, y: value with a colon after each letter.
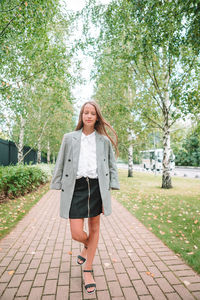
x: 107, y: 174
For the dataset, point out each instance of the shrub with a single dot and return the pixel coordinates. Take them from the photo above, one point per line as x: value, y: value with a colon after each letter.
x: 189, y: 155
x: 18, y: 180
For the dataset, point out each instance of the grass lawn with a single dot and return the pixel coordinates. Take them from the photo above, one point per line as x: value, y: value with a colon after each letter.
x: 13, y: 210
x: 173, y: 215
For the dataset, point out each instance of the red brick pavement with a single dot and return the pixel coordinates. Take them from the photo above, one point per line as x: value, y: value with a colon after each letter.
x: 130, y: 263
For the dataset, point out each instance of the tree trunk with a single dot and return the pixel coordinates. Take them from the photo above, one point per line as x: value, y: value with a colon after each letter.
x: 39, y: 152
x: 48, y: 153
x: 166, y: 176
x: 21, y: 140
x: 130, y: 137
x: 130, y: 161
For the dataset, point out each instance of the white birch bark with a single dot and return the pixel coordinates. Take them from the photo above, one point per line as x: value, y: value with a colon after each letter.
x: 130, y: 160
x: 166, y: 176
x: 130, y: 139
x: 48, y: 152
x: 39, y: 152
x: 21, y: 140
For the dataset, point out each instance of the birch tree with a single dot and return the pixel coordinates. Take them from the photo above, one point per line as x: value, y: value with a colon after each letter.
x: 149, y: 35
x: 116, y: 92
x: 35, y: 68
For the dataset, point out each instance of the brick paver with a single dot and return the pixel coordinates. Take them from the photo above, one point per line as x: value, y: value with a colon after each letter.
x: 38, y: 260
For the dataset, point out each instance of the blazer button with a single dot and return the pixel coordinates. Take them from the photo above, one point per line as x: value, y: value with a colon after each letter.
x: 62, y: 190
x: 104, y: 159
x: 66, y: 175
x: 69, y: 159
x: 107, y: 174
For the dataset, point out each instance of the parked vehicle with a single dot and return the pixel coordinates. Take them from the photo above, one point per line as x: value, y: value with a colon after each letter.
x: 153, y: 159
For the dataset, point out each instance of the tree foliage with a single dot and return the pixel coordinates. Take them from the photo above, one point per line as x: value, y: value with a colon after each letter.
x: 189, y: 153
x: 35, y: 82
x: 152, y: 38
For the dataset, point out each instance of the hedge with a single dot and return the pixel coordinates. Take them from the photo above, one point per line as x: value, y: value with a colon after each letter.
x: 19, y: 180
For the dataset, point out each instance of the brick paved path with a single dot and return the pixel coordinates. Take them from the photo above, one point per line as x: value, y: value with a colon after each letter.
x: 131, y: 263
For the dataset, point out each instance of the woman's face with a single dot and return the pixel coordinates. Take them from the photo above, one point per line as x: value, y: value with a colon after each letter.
x: 89, y: 115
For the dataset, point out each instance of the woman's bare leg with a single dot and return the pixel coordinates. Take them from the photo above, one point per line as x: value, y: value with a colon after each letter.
x: 92, y: 242
x: 78, y: 234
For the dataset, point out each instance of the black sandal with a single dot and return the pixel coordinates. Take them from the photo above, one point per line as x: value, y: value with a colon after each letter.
x: 81, y: 258
x: 87, y: 286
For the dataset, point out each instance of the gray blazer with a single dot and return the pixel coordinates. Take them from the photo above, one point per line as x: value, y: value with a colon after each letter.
x: 64, y: 175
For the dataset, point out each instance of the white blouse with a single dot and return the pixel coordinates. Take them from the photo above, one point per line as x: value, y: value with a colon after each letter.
x: 87, y: 166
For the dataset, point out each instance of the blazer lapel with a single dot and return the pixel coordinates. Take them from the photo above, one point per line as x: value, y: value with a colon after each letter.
x: 76, y: 145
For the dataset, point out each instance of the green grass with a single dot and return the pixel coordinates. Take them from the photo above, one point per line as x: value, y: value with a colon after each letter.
x: 173, y: 215
x: 14, y: 210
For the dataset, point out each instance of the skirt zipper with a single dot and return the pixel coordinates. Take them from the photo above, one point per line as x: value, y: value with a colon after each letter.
x: 87, y: 179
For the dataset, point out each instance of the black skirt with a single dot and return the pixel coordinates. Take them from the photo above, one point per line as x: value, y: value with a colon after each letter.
x: 86, y: 200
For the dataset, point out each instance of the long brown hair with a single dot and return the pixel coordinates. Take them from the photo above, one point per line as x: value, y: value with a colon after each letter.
x: 100, y: 124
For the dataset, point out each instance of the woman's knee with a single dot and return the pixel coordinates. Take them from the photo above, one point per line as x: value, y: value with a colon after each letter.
x: 94, y: 225
x: 76, y: 227
x: 77, y: 235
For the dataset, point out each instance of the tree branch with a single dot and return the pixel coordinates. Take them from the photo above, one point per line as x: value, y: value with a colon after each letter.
x: 24, y: 79
x: 154, y: 75
x: 153, y: 121
x: 172, y: 123
x: 44, y: 126
x: 185, y: 73
x: 147, y: 88
x: 12, y: 8
x: 154, y: 80
x: 2, y: 32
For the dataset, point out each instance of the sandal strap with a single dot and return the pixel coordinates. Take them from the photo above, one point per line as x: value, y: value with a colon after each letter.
x: 87, y: 286
x: 88, y: 271
x: 81, y: 258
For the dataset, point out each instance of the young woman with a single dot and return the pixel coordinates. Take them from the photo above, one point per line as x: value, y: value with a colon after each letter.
x: 85, y: 171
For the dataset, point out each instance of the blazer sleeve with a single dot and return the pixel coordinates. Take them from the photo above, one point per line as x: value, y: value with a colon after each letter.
x: 58, y: 170
x: 114, y: 182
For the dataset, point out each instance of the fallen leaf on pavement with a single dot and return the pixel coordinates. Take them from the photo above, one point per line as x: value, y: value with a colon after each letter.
x: 148, y: 273
x: 11, y: 272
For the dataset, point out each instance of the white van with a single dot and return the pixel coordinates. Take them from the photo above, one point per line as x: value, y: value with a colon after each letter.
x: 152, y: 159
